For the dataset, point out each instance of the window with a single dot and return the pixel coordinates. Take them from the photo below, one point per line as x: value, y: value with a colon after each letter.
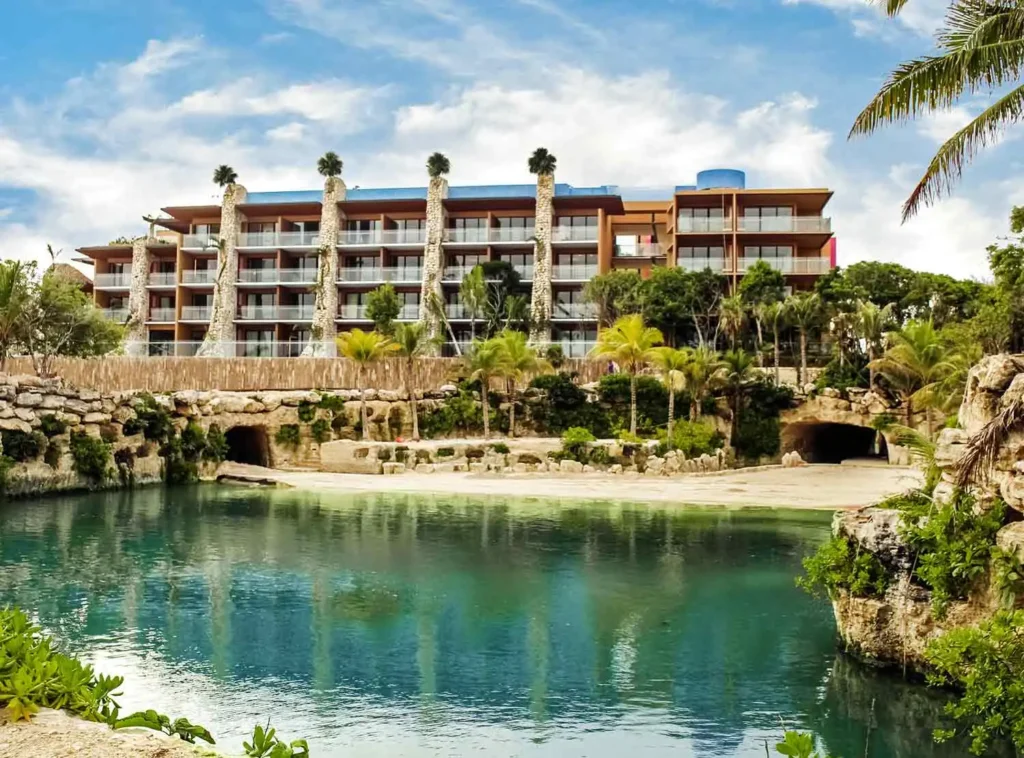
x: 200, y: 300
x: 362, y: 261
x: 202, y: 229
x: 260, y: 299
x: 468, y: 223
x: 702, y: 213
x: 768, y: 251
x: 362, y: 225
x: 515, y: 222
x: 259, y: 343
x: 627, y: 245
x: 254, y: 227
x: 701, y: 252
x: 577, y: 221
x: 467, y: 261
x: 408, y: 265
x: 120, y: 268
x: 768, y: 219
x: 164, y: 267
x: 773, y: 211
x: 704, y: 220
x: 411, y: 223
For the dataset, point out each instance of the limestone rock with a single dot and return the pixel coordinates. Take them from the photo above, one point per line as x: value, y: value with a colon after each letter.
x: 14, y: 425
x: 28, y: 399
x: 424, y: 468
x: 52, y: 403
x: 96, y: 418
x: 570, y: 467
x: 1011, y: 539
x: 394, y: 468
x: 25, y: 414
x: 877, y: 530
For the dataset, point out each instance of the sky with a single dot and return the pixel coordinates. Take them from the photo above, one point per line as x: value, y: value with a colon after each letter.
x: 112, y: 109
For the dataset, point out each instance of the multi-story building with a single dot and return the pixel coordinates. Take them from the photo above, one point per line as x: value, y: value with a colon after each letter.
x: 382, y: 235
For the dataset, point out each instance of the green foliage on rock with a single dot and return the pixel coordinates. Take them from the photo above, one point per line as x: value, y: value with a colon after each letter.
x: 692, y: 438
x: 651, y: 401
x: 91, y: 456
x: 576, y: 443
x: 307, y: 411
x: 565, y: 405
x: 51, y: 425
x: 288, y: 435
x: 22, y: 447
x: 840, y: 565
x: 216, y: 449
x: 151, y: 420
x: 757, y: 432
x: 265, y: 744
x: 460, y: 414
x: 320, y: 430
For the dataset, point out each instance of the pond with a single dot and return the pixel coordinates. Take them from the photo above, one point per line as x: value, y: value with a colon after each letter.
x: 388, y: 625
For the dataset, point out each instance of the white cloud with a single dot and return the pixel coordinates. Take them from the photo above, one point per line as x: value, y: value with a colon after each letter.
x: 921, y: 17
x: 288, y: 132
x: 941, y: 125
x: 331, y: 100
x: 158, y: 57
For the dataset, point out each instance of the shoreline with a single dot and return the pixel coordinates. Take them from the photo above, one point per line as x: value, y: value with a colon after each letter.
x: 812, y: 487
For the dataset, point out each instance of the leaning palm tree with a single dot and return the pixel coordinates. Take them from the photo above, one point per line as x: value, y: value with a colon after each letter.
x: 484, y: 361
x: 701, y: 374
x: 473, y: 294
x: 542, y: 162
x: 630, y: 343
x: 737, y: 371
x: 732, y: 315
x: 671, y: 363
x: 518, y: 360
x: 438, y: 165
x: 434, y: 310
x: 14, y: 299
x: 329, y: 165
x: 224, y: 175
x: 980, y: 48
x: 412, y: 342
x: 364, y: 348
x: 871, y: 323
x: 773, y: 316
x: 804, y: 312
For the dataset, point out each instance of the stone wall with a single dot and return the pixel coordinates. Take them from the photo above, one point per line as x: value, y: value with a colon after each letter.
x: 540, y: 302
x: 221, y: 334
x: 325, y: 306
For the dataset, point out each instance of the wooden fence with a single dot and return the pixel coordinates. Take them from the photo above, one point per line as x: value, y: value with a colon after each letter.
x: 121, y: 373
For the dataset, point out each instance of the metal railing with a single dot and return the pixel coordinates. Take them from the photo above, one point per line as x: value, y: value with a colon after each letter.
x: 378, y: 274
x: 278, y: 239
x: 641, y: 250
x: 257, y: 275
x: 161, y: 315
x: 196, y: 312
x: 163, y: 279
x: 717, y: 265
x: 702, y: 225
x: 199, y: 276
x: 116, y: 314
x: 816, y: 265
x: 200, y: 241
x: 786, y: 224
x: 585, y: 311
x: 574, y: 272
x: 575, y: 234
x: 112, y: 280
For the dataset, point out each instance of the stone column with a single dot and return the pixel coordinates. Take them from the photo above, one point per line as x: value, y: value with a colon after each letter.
x: 540, y: 303
x: 433, y: 252
x: 221, y: 334
x: 325, y: 307
x: 138, y: 298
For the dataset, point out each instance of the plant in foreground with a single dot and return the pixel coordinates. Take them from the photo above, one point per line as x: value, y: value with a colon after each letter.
x: 265, y: 744
x: 158, y: 722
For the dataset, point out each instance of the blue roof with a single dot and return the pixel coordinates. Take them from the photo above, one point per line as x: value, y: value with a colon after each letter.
x: 479, y: 192
x: 299, y: 196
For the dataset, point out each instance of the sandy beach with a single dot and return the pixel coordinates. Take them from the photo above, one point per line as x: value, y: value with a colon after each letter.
x: 821, y: 486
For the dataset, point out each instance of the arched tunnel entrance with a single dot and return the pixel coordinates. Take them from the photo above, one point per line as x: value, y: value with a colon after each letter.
x: 248, y: 444
x: 834, y: 443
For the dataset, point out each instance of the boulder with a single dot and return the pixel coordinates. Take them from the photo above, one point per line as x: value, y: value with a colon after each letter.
x: 615, y: 468
x: 424, y: 468
x: 1011, y: 539
x: 52, y: 403
x: 25, y: 414
x: 96, y: 418
x: 14, y: 425
x: 393, y: 468
x: 28, y: 399
x: 878, y: 531
x: 570, y: 467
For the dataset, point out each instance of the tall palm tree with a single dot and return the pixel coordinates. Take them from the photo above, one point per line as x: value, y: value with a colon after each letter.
x: 701, y: 374
x: 732, y: 315
x: 979, y: 49
x: 14, y: 298
x: 434, y: 309
x: 518, y: 360
x: 630, y: 343
x: 412, y: 342
x: 224, y: 175
x: 329, y: 165
x: 484, y: 361
x: 542, y: 162
x: 737, y: 371
x: 871, y: 323
x: 671, y: 363
x: 773, y: 315
x: 473, y: 294
x: 438, y: 165
x: 364, y: 348
x: 804, y: 312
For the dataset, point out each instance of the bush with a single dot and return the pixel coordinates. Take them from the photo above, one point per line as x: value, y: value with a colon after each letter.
x: 566, y: 406
x: 22, y: 446
x: 840, y: 565
x: 446, y: 452
x: 757, y: 432
x: 320, y: 430
x: 216, y: 444
x: 460, y: 413
x: 91, y: 456
x: 193, y: 441
x: 124, y: 461
x: 179, y: 468
x: 843, y: 377
x: 53, y: 454
x: 307, y: 411
x: 501, y: 448
x: 554, y: 355
x: 5, y: 470
x: 575, y: 442
x: 151, y: 419
x: 288, y: 435
x: 651, y: 401
x: 51, y: 426
x: 693, y: 438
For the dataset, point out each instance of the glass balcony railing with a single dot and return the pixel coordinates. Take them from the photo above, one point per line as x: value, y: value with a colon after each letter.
x: 373, y: 237
x: 163, y: 279
x: 296, y: 275
x: 409, y: 312
x: 574, y: 272
x: 525, y: 272
x: 352, y: 312
x: 456, y: 273
x: 199, y: 276
x: 196, y: 312
x: 812, y: 265
x: 120, y: 315
x: 786, y: 224
x: 247, y: 349
x: 200, y: 241
x: 377, y: 274
x: 575, y: 234
x: 295, y: 312
x: 161, y: 315
x: 510, y: 235
x: 640, y: 250
x: 717, y: 265
x: 258, y: 313
x: 112, y: 281
x: 703, y: 225
x: 457, y: 311
x: 395, y: 237
x: 583, y: 311
x: 278, y: 240
x: 257, y: 275
x: 466, y: 236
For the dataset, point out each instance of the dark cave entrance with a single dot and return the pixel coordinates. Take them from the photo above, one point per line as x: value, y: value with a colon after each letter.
x: 248, y: 444
x: 834, y: 443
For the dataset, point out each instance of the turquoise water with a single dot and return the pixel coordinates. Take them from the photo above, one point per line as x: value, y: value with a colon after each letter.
x: 414, y: 626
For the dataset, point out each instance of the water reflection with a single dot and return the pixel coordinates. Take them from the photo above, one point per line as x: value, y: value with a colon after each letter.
x: 394, y: 625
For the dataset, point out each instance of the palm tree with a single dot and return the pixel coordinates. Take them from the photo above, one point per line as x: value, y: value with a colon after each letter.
x: 773, y: 315
x: 483, y: 362
x: 518, y: 359
x: 14, y: 297
x: 364, y: 348
x: 629, y: 342
x: 473, y: 294
x: 412, y: 342
x: 672, y: 363
x: 737, y: 370
x: 732, y: 315
x: 434, y: 309
x: 224, y: 175
x: 803, y: 311
x: 871, y: 322
x: 700, y: 375
x: 979, y: 49
x: 542, y: 163
x: 329, y: 165
x: 438, y: 165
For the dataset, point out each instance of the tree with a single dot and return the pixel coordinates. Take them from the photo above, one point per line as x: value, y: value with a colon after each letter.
x: 704, y: 294
x: 671, y: 363
x: 979, y: 49
x: 1007, y: 264
x: 438, y: 165
x: 803, y: 311
x: 412, y: 342
x: 773, y: 316
x: 329, y: 165
x: 665, y: 297
x: 434, y: 308
x: 737, y: 369
x: 871, y: 324
x: 15, y: 293
x: 364, y: 349
x: 484, y: 361
x: 383, y: 307
x: 224, y: 175
x: 732, y: 315
x: 518, y: 360
x: 473, y: 293
x: 629, y: 342
x: 615, y: 294
x: 700, y: 375
x: 542, y: 163
x: 762, y: 284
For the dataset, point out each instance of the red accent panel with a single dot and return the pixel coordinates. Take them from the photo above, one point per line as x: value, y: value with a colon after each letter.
x: 833, y: 244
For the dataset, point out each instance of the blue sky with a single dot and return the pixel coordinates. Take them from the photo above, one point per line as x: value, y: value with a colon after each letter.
x: 110, y: 109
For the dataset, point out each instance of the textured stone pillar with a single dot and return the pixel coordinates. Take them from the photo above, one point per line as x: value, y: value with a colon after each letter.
x: 138, y: 298
x: 540, y: 303
x: 221, y: 334
x: 325, y: 305
x: 433, y: 252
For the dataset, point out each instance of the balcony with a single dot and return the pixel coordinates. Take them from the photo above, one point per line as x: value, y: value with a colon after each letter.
x: 581, y: 272
x: 525, y: 272
x: 640, y: 250
x: 297, y: 275
x: 466, y: 236
x: 456, y: 273
x: 372, y: 238
x: 786, y: 224
x: 200, y: 242
x: 814, y: 265
x: 295, y: 312
x: 199, y: 276
x: 400, y: 237
x: 457, y: 312
x: 257, y: 313
x: 257, y: 276
x: 120, y: 315
x: 196, y: 312
x: 511, y: 235
x: 112, y: 281
x: 249, y: 349
x: 577, y: 234
x: 352, y: 312
x: 575, y: 348
x: 575, y: 311
x: 701, y: 225
x: 162, y: 279
x: 718, y: 265
x: 376, y: 274
x: 277, y: 240
x: 161, y: 315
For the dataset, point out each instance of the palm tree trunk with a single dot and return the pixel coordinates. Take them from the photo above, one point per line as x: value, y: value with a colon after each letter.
x: 776, y: 342
x: 410, y: 374
x: 694, y: 407
x: 871, y: 369
x: 484, y: 382
x: 671, y: 411
x: 760, y: 344
x: 362, y: 408
x: 632, y: 402
x: 803, y: 354
x: 512, y: 409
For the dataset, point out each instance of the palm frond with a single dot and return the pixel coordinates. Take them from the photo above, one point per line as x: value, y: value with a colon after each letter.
x: 982, y: 451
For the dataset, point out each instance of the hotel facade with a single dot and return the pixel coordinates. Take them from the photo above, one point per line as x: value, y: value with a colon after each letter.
x: 280, y: 273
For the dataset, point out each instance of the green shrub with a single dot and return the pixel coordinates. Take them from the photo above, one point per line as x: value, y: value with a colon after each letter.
x: 332, y: 403
x: 151, y: 419
x: 840, y: 565
x: 5, y: 470
x: 651, y: 401
x: 446, y: 452
x: 124, y: 461
x: 501, y: 448
x: 53, y: 454
x: 384, y: 454
x: 109, y: 433
x: 693, y: 438
x: 179, y: 468
x: 288, y: 435
x: 599, y: 456
x: 843, y: 376
x: 193, y: 441
x: 307, y: 411
x: 22, y: 447
x: 460, y: 413
x: 883, y: 421
x: 320, y: 430
x: 51, y: 425
x: 575, y: 443
x: 91, y: 456
x: 1008, y: 573
x: 565, y: 405
x: 475, y: 453
x: 757, y: 432
x: 216, y: 449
